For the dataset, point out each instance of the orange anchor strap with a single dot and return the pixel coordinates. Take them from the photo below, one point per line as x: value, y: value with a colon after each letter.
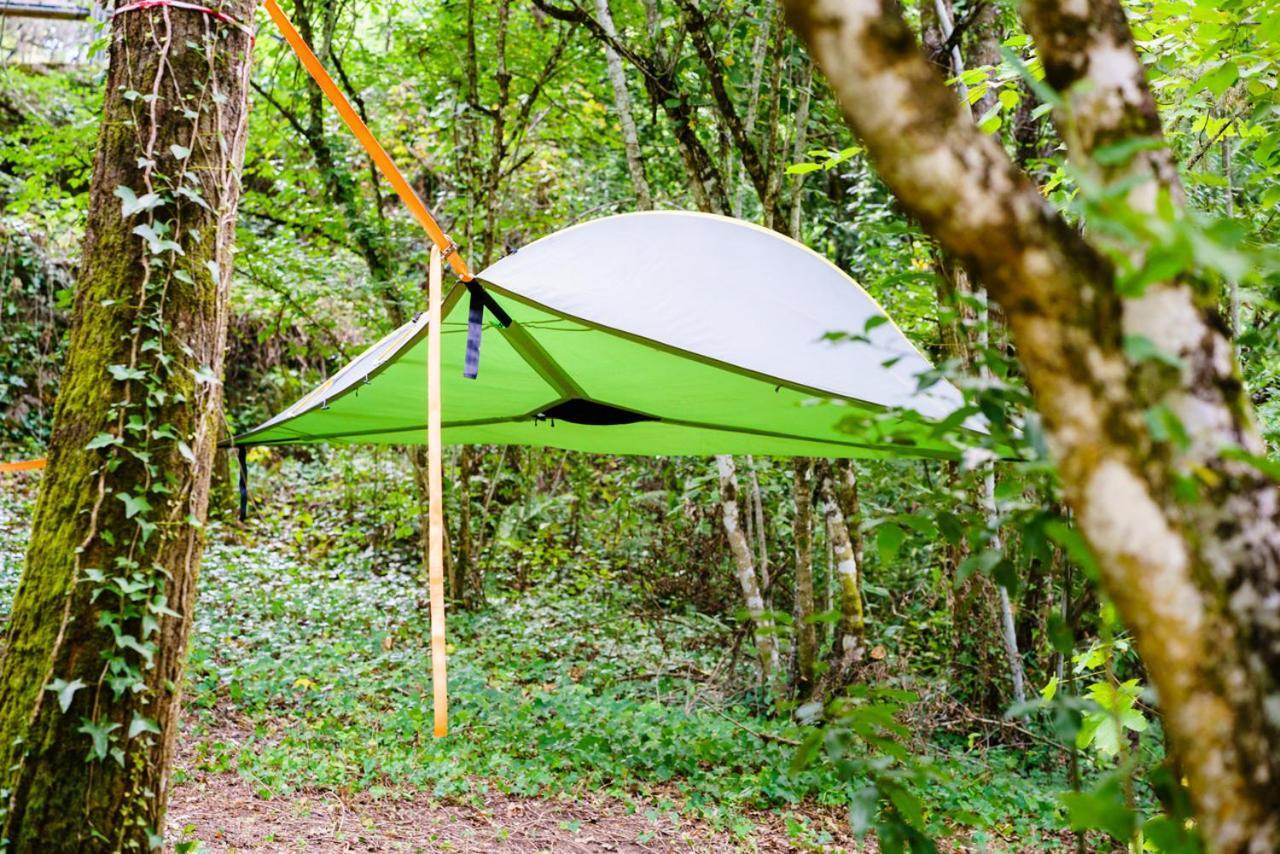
x: 23, y: 465
x: 380, y: 157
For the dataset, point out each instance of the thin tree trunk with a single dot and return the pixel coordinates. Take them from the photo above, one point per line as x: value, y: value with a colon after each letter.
x: 762, y: 538
x: 766, y: 641
x: 462, y: 572
x: 759, y: 52
x: 798, y: 148
x: 622, y: 103
x: 849, y: 647
x: 95, y: 651
x: 806, y: 634
x: 1005, y: 617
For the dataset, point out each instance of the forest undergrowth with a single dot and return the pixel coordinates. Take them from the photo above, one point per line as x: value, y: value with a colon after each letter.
x: 309, y: 674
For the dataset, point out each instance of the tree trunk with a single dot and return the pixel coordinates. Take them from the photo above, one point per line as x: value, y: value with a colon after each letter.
x: 849, y: 646
x: 798, y: 148
x: 762, y: 537
x: 97, y: 643
x: 459, y: 584
x: 622, y: 103
x: 802, y: 531
x: 766, y: 641
x: 1192, y: 580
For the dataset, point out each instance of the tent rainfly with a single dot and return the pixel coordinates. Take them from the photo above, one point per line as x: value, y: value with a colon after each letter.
x: 648, y: 333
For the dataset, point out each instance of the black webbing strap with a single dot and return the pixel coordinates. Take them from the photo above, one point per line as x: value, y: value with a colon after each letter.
x: 241, y: 453
x: 480, y: 300
x: 475, y: 326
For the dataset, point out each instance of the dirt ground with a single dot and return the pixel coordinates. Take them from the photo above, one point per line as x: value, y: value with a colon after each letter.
x: 224, y: 812
x: 226, y: 815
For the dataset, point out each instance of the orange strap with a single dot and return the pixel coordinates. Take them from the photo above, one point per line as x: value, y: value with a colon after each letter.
x: 380, y: 157
x: 23, y: 465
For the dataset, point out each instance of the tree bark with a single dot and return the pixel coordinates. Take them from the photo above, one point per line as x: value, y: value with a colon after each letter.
x: 462, y: 570
x: 622, y: 103
x: 798, y: 148
x: 1191, y: 581
x: 766, y: 641
x: 802, y: 531
x: 849, y: 647
x: 96, y: 647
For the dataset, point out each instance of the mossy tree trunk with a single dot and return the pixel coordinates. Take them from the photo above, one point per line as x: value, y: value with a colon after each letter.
x: 97, y: 643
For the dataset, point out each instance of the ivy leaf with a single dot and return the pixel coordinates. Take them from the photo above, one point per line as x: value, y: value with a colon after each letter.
x: 204, y: 374
x: 133, y: 506
x: 66, y: 691
x: 101, y: 440
x: 187, y: 454
x: 131, y: 203
x: 100, y: 735
x: 181, y: 152
x: 124, y: 373
x: 141, y: 724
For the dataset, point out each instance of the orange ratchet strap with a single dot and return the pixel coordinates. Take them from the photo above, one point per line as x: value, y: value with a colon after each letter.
x: 23, y: 465
x: 387, y: 166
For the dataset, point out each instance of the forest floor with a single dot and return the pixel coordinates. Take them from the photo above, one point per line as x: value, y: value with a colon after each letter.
x: 579, y: 720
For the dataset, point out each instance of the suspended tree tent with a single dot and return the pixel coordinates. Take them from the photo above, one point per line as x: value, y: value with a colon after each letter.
x: 647, y: 333
x: 656, y: 333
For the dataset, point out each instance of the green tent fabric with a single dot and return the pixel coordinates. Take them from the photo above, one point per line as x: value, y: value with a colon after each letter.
x: 670, y: 333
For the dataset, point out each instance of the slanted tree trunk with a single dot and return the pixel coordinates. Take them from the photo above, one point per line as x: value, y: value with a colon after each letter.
x: 96, y: 646
x: 1194, y: 581
x: 766, y: 640
x: 806, y: 634
x: 850, y: 641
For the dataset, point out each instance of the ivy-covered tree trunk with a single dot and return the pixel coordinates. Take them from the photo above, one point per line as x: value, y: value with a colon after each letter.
x: 94, y: 657
x: 1186, y: 533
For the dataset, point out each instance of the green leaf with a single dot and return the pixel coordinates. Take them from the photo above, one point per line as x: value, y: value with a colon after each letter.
x: 187, y: 454
x: 802, y: 168
x: 889, y: 539
x: 133, y: 506
x: 101, y: 440
x: 100, y: 735
x: 181, y: 152
x: 1140, y: 348
x: 124, y: 373
x: 1220, y: 79
x: 131, y: 204
x: 66, y: 691
x: 1103, y: 809
x: 1060, y: 635
x: 862, y: 809
x: 141, y: 724
x: 1120, y: 153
